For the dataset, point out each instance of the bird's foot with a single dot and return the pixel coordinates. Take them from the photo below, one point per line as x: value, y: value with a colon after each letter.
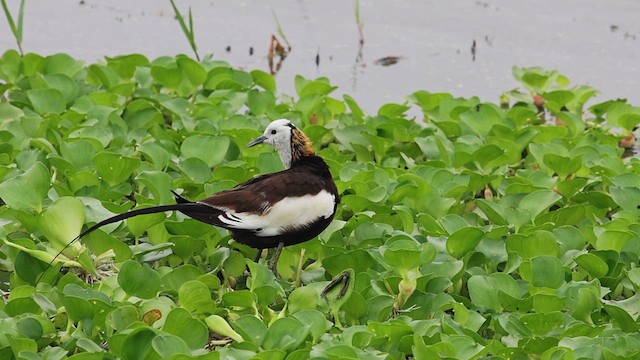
x: 344, y: 278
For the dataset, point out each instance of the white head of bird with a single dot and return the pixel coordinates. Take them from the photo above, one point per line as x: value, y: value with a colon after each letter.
x: 290, y: 143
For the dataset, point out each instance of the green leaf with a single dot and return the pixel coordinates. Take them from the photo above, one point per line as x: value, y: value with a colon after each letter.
x: 167, y: 345
x: 485, y: 291
x: 27, y: 191
x: 264, y: 80
x: 539, y: 243
x: 30, y: 328
x: 182, y: 324
x: 211, y: 150
x: 137, y: 344
x: 45, y: 101
x: 538, y: 201
x: 61, y: 223
x: 138, y: 279
x: 593, y: 264
x: 614, y: 240
x: 547, y: 271
x: 463, y: 241
x: 115, y: 168
x: 285, y: 334
x: 622, y: 318
x: 196, y: 298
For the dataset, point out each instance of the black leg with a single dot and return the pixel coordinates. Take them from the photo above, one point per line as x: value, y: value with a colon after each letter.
x: 274, y: 259
x: 258, y: 256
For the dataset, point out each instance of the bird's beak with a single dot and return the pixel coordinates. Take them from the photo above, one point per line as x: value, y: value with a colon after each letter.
x: 257, y: 141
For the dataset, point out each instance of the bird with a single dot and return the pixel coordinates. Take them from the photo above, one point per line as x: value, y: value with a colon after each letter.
x: 270, y: 210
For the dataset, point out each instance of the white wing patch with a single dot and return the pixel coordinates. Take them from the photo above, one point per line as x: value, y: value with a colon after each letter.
x: 286, y: 213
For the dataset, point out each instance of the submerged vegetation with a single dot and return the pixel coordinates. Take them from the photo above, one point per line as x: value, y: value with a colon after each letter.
x: 476, y: 230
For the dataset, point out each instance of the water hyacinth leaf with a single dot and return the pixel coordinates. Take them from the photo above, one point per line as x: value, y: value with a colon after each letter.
x: 251, y: 328
x: 211, y: 150
x: 402, y: 253
x: 593, y: 264
x: 78, y: 309
x: 20, y: 345
x: 159, y: 183
x: 558, y: 98
x: 182, y: 324
x: 61, y: 223
x: 285, y: 333
x: 138, y: 279
x: 485, y: 291
x: 121, y: 317
x: 614, y: 240
x: 157, y: 154
x: 27, y: 191
x: 315, y: 320
x: 45, y: 101
x: 126, y: 65
x: 463, y: 241
x: 264, y: 80
x: 30, y: 328
x: 537, y: 244
x: 259, y: 102
x: 624, y: 116
x: 63, y: 64
x: 562, y: 165
x: 303, y: 298
x: 538, y: 201
x: 627, y: 197
x: 167, y: 345
x: 196, y: 297
x: 115, y: 168
x: 547, y: 271
x: 80, y: 153
x: 622, y: 318
x: 494, y: 211
x: 192, y: 69
x: 28, y: 267
x: 67, y: 87
x: 358, y: 260
x: 480, y: 120
x: 137, y: 344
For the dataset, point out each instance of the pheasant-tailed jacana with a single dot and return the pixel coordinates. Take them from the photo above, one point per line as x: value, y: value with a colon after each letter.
x: 271, y: 210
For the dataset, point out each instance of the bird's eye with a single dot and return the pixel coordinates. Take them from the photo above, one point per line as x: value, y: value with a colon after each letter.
x: 273, y: 132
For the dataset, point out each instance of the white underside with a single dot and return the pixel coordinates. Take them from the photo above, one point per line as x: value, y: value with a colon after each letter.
x: 290, y: 212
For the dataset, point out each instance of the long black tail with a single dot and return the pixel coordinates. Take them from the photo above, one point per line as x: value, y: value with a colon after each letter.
x: 183, y: 206
x: 146, y: 211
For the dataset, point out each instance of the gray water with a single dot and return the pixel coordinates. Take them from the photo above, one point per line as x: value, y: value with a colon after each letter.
x: 593, y: 42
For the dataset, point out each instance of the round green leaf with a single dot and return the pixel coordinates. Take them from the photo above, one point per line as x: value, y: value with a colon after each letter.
x: 593, y: 264
x: 30, y: 328
x: 138, y: 279
x: 46, y: 101
x: 402, y: 253
x: 167, y: 345
x: 61, y: 223
x: 463, y: 241
x: 303, y: 298
x: 547, y: 271
x: 137, y: 344
x: 196, y: 298
x: 115, y: 168
x: 285, y: 334
x: 180, y: 323
x: 210, y: 149
x: 26, y: 191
